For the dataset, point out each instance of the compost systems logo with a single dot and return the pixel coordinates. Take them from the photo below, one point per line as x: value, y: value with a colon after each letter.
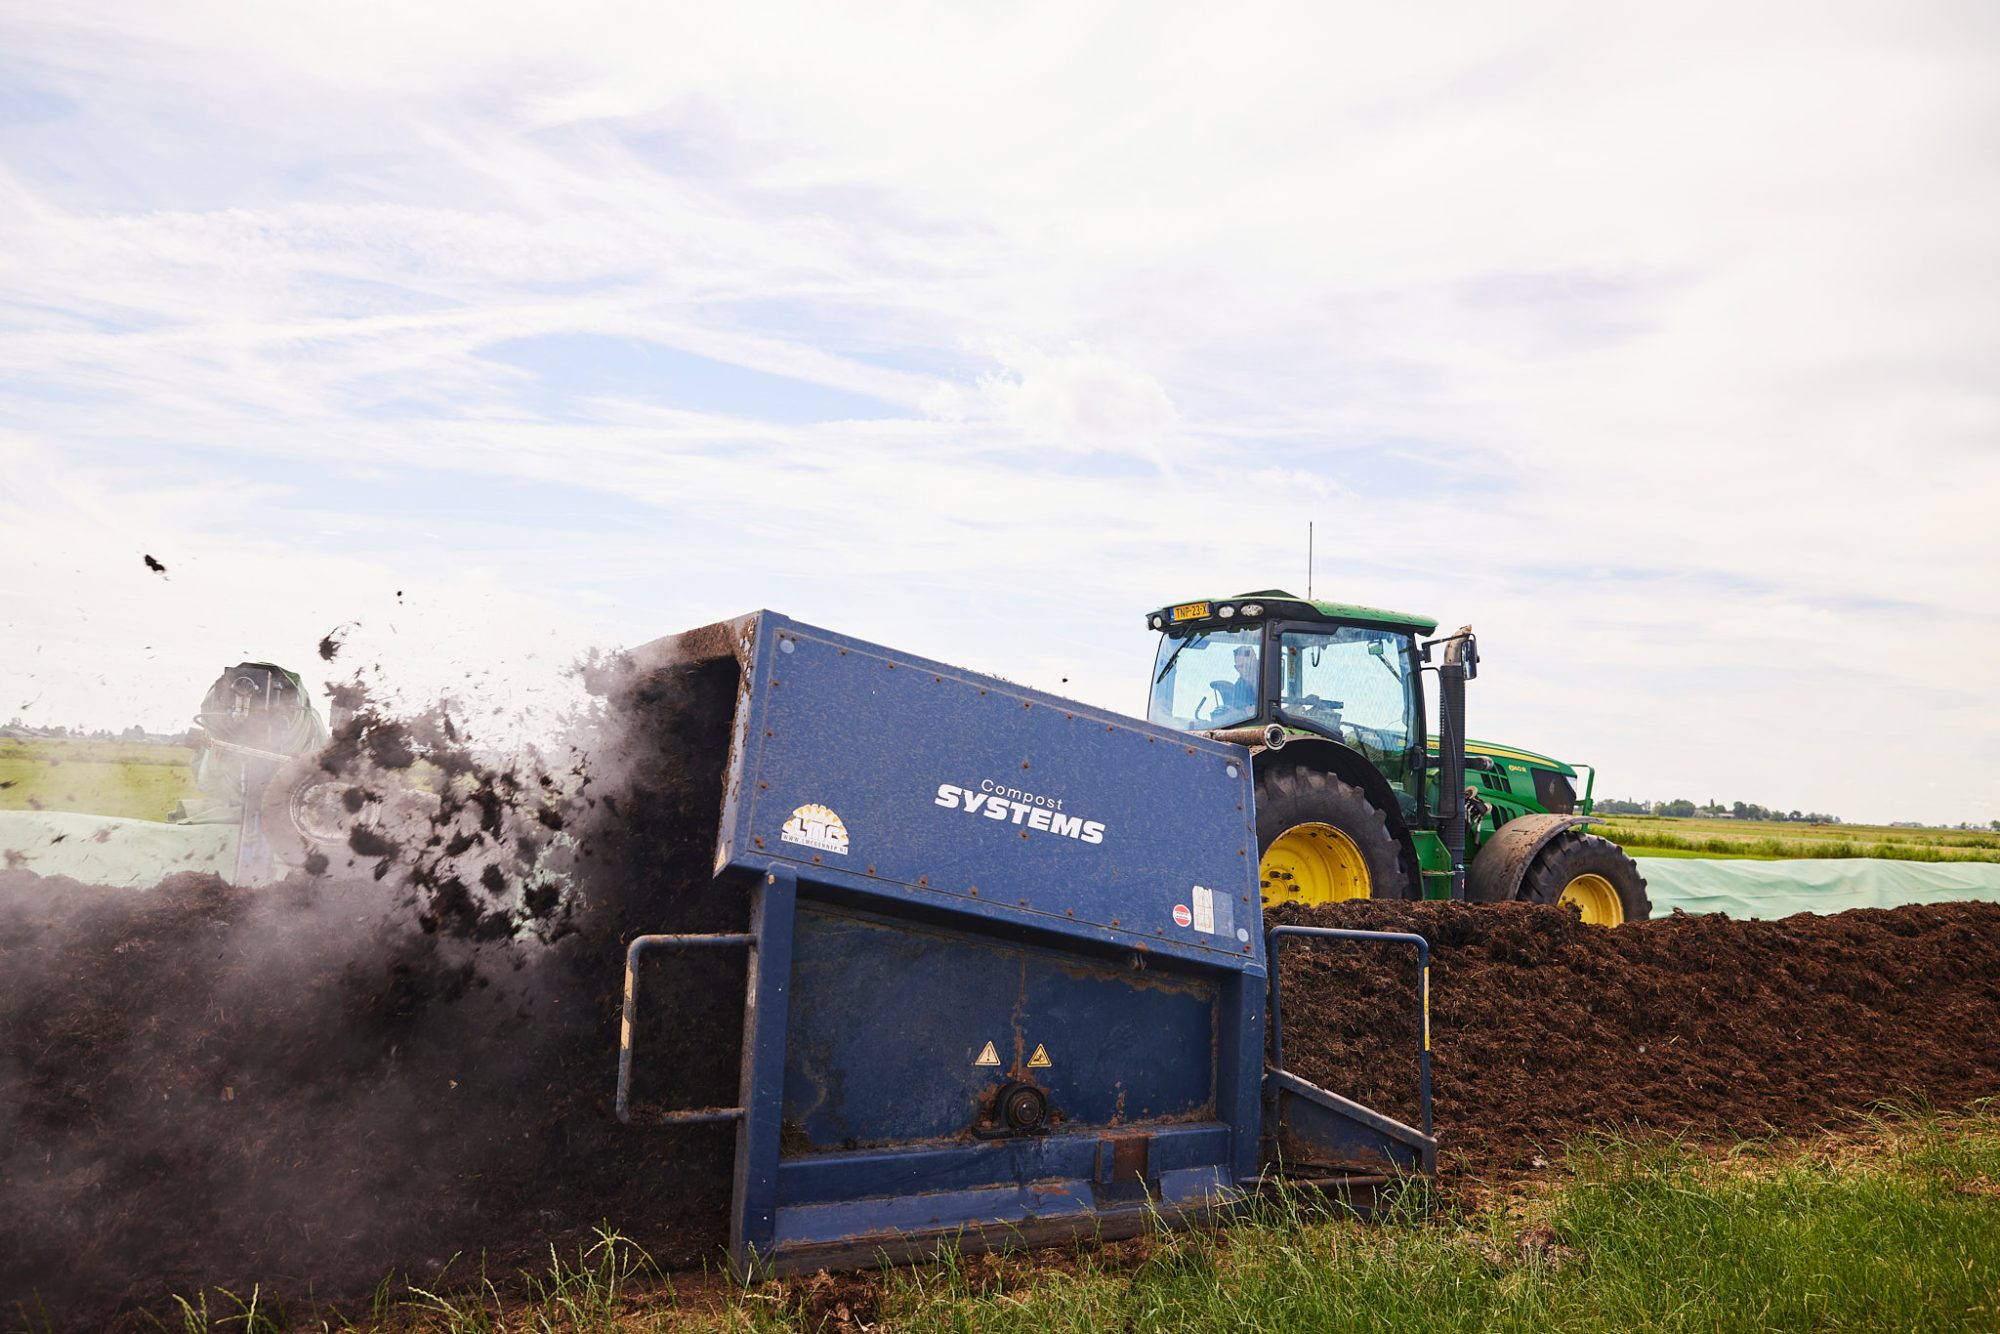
x: 1028, y: 809
x: 816, y: 827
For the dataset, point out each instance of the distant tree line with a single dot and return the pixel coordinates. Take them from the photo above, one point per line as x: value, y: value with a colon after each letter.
x: 1682, y: 808
x: 15, y: 729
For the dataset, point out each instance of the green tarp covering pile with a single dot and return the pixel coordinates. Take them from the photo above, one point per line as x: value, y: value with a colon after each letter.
x: 1779, y: 889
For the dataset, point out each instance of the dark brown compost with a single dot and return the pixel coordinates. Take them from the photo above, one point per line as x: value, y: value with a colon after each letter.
x: 1543, y: 1027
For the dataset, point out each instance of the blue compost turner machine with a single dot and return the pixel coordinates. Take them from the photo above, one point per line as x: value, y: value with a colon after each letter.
x: 1008, y: 978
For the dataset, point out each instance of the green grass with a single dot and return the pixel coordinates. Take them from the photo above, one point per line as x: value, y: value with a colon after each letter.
x: 1638, y: 1238
x: 611, y: 1286
x: 1654, y: 835
x: 137, y: 781
x: 1898, y: 1228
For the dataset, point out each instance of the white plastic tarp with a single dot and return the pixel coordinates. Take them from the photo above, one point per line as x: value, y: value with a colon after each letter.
x: 1780, y: 888
x: 105, y: 850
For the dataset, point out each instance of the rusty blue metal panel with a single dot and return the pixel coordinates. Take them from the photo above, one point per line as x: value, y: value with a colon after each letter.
x: 1317, y: 1132
x: 1040, y: 1212
x: 894, y: 775
x: 766, y: 1016
x: 981, y: 866
x: 903, y: 1031
x: 817, y: 1178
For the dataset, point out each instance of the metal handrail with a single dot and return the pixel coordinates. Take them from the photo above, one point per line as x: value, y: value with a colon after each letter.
x: 1271, y: 943
x: 639, y: 945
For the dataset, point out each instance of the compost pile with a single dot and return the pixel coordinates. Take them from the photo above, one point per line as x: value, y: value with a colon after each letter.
x: 406, y: 1057
x: 1543, y: 1027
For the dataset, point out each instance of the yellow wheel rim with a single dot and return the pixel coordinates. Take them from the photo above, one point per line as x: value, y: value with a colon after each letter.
x: 1596, y: 899
x: 1312, y: 863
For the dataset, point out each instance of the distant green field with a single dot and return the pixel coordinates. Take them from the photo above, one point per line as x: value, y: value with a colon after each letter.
x: 137, y: 781
x: 1660, y: 835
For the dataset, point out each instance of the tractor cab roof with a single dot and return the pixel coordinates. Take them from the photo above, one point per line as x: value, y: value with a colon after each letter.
x: 1269, y: 603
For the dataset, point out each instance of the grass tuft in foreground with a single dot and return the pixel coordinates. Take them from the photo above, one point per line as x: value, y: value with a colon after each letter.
x: 1902, y: 1235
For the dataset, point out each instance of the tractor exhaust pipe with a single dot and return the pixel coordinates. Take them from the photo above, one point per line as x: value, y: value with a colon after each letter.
x: 1461, y: 664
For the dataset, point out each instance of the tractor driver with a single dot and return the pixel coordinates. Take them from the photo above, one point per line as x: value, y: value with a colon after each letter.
x: 1239, y: 697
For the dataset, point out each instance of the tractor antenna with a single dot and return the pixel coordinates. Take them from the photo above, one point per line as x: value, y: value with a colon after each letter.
x: 1309, y: 560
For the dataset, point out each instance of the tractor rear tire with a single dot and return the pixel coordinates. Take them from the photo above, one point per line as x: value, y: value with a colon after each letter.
x: 1320, y: 840
x: 1591, y: 874
x: 309, y: 817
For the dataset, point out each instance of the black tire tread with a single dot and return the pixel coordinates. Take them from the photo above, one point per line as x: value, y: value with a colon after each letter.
x: 1294, y: 794
x: 1576, y: 853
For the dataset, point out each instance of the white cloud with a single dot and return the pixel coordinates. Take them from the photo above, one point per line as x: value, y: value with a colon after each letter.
x: 1695, y: 299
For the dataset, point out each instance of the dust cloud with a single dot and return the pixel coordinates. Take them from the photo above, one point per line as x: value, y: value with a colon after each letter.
x: 400, y: 1051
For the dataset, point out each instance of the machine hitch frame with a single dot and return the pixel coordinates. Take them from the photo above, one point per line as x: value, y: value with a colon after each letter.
x: 1276, y: 936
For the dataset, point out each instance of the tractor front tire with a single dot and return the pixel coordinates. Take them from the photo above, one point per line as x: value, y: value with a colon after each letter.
x: 1320, y: 840
x: 1591, y: 874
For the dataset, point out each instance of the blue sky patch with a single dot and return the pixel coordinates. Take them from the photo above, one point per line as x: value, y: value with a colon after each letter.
x: 572, y: 368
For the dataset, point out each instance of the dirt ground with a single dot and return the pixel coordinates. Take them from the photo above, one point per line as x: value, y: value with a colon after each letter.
x: 370, y: 1070
x: 1699, y: 1025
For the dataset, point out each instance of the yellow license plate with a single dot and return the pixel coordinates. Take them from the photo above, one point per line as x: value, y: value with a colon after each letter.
x: 1190, y: 611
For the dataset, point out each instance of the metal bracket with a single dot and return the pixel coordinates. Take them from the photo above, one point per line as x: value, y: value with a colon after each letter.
x: 639, y: 945
x: 1272, y: 941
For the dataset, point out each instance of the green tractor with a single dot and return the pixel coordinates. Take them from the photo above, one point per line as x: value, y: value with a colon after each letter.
x: 1355, y: 799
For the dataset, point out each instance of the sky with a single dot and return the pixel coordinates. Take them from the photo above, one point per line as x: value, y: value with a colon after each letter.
x: 1657, y: 342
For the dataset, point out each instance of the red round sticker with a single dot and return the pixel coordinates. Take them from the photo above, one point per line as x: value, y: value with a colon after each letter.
x: 1182, y: 917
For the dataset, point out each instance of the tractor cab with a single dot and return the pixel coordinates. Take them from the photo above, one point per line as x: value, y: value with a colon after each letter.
x: 1343, y: 673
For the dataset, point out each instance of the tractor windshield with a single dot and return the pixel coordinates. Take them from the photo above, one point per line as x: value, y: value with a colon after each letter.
x: 1356, y: 684
x: 1204, y: 679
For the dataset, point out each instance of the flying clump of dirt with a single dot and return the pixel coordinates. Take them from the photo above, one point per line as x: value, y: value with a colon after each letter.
x: 481, y: 845
x: 401, y: 1051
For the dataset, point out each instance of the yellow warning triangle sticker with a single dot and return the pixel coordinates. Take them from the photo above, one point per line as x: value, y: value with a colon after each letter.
x: 988, y: 1056
x: 1040, y: 1060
